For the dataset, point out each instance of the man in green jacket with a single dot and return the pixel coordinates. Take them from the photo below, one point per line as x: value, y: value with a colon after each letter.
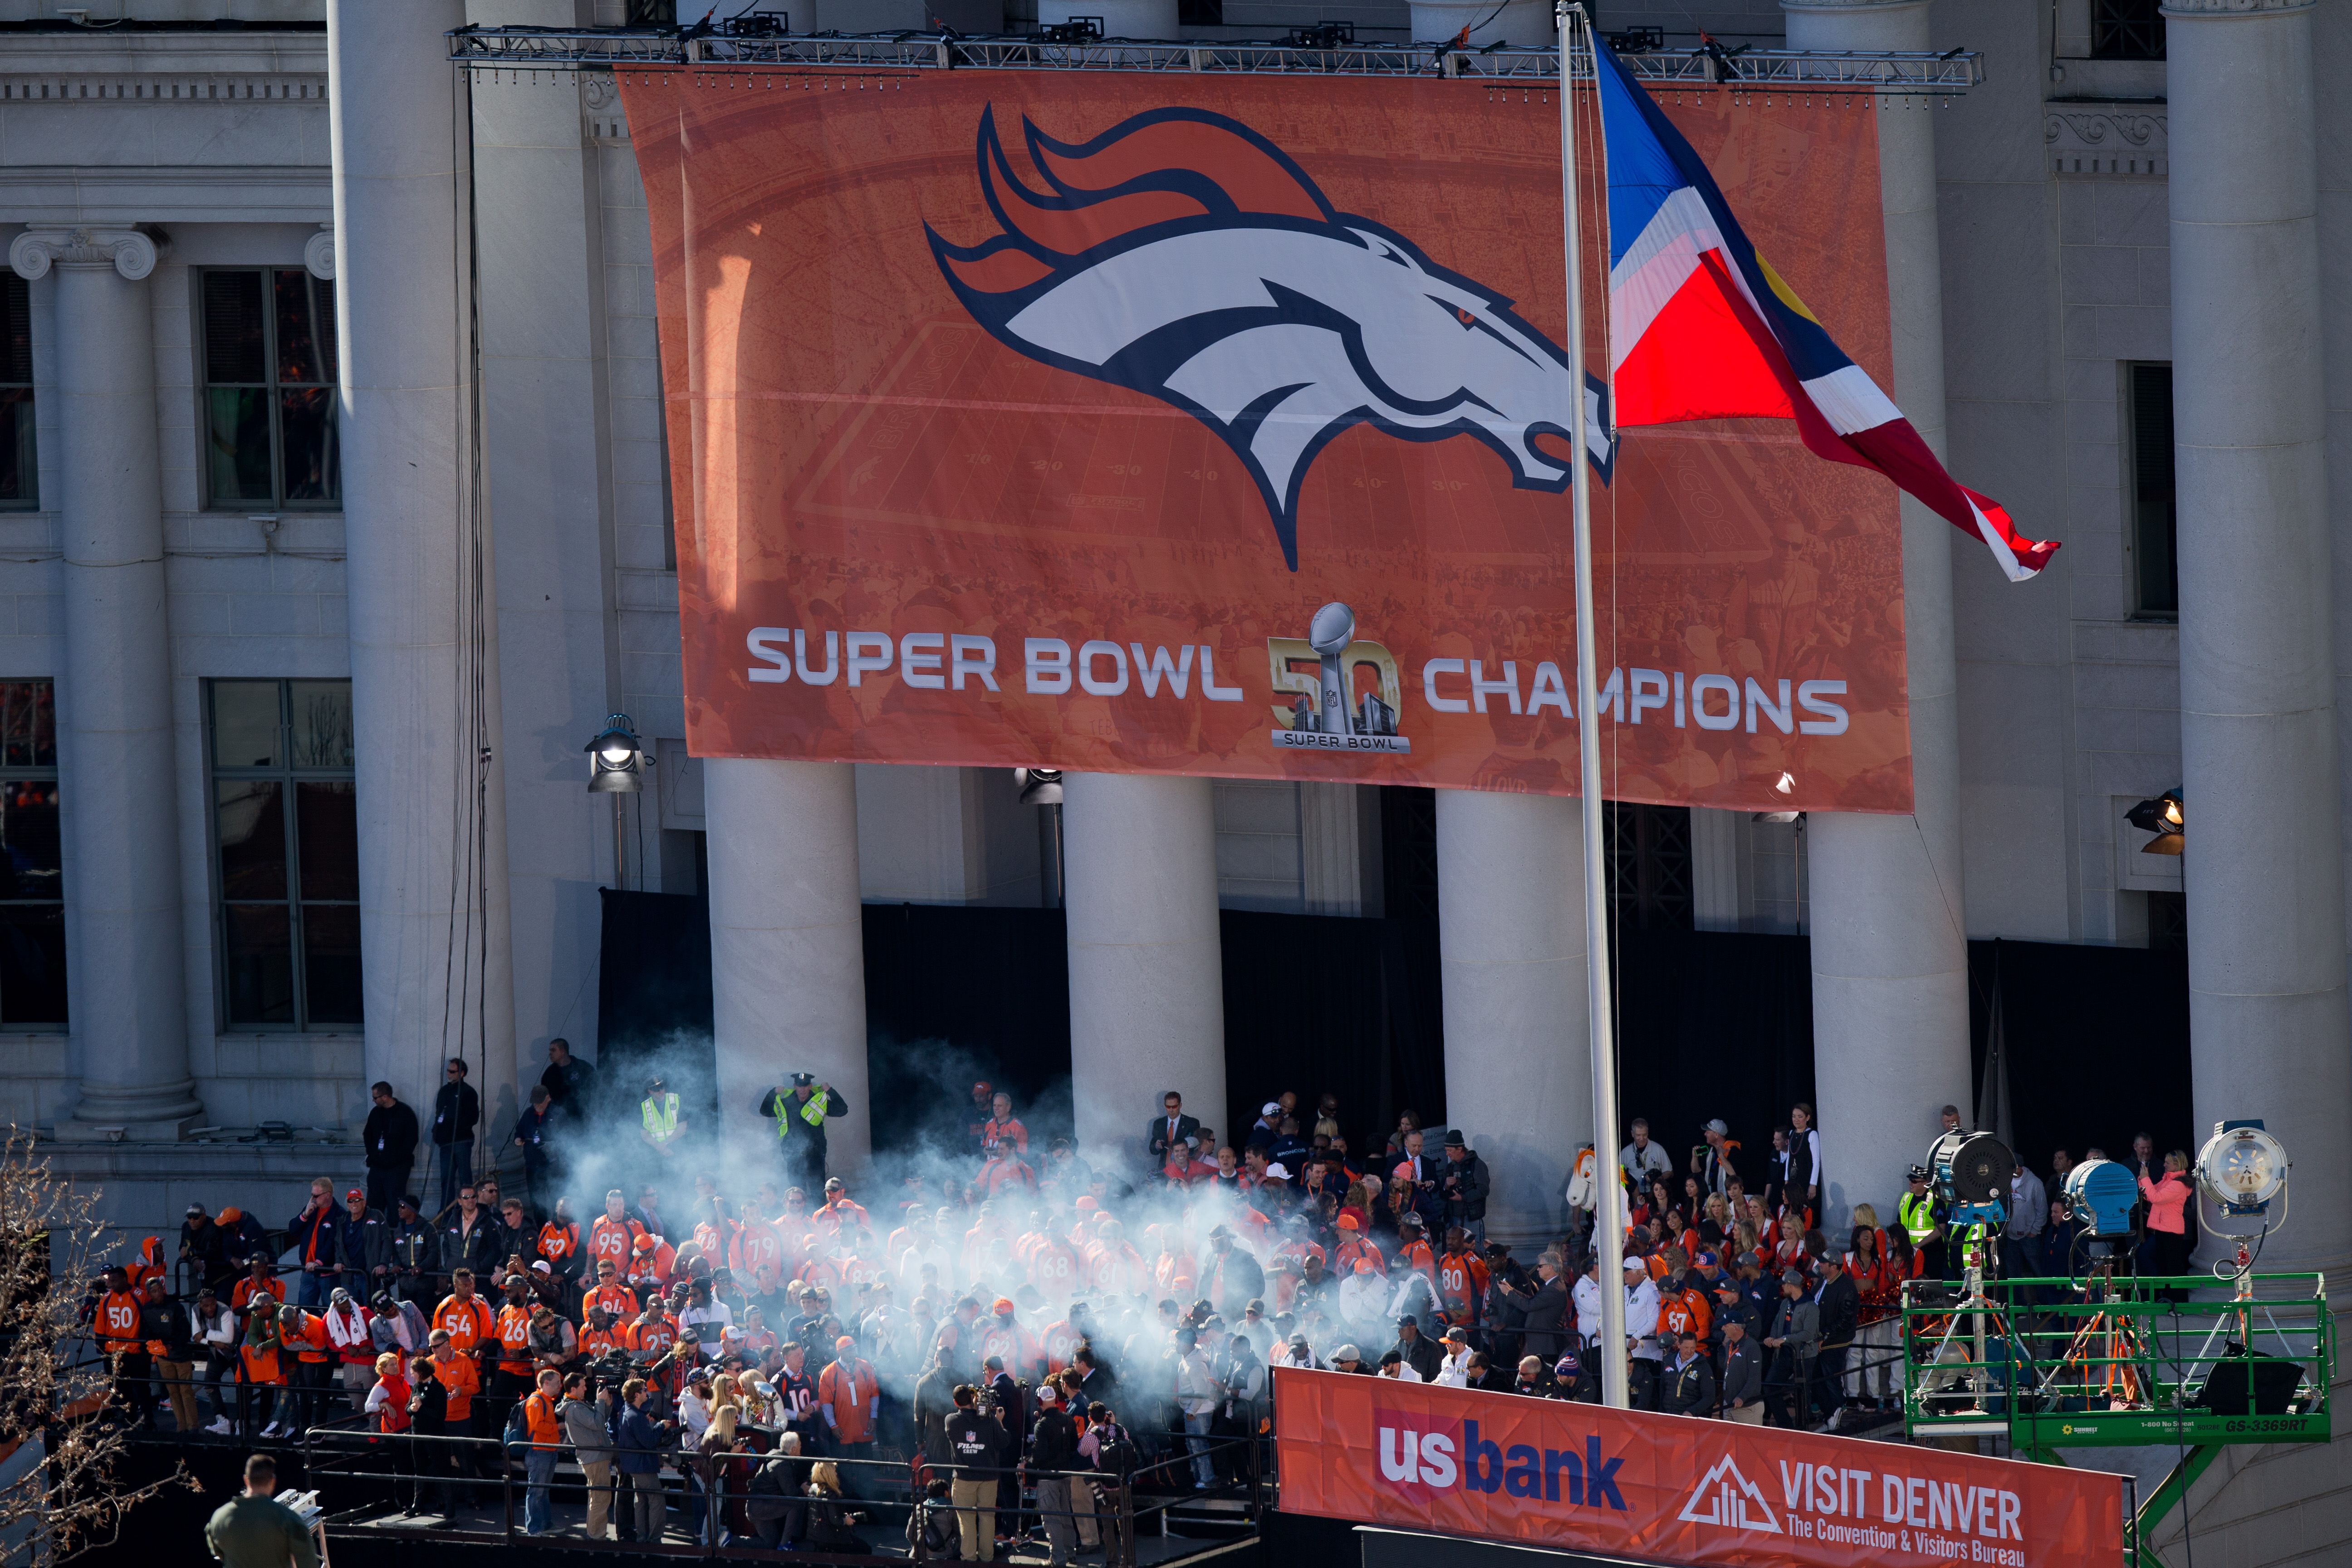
x: 254, y: 1529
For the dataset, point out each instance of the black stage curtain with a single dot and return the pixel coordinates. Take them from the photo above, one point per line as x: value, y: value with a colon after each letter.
x: 653, y: 1002
x: 2096, y: 1041
x: 1711, y: 1024
x: 1316, y: 1002
x: 955, y: 995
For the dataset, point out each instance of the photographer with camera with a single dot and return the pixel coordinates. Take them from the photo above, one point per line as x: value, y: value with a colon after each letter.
x: 978, y: 1443
x: 1464, y: 1183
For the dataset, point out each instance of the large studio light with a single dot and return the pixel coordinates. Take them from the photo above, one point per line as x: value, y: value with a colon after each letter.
x: 2162, y: 816
x: 1039, y: 786
x: 1970, y: 1173
x: 2241, y: 1168
x: 617, y: 758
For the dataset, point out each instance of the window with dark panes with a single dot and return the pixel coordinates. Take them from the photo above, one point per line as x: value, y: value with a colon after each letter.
x: 2128, y: 29
x: 286, y: 845
x: 2156, y: 514
x: 32, y: 877
x: 19, y: 463
x: 270, y: 388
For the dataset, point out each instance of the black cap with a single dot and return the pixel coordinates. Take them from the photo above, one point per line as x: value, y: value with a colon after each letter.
x: 1453, y: 1138
x: 1408, y: 1320
x: 804, y: 1079
x: 408, y: 1201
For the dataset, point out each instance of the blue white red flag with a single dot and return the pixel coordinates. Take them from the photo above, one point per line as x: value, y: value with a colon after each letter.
x: 1702, y: 327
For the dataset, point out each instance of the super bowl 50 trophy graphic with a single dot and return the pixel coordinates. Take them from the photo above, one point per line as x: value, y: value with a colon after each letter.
x: 1331, y: 722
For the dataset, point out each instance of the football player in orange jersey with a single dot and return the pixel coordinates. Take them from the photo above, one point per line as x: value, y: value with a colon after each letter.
x: 1002, y: 1334
x: 1413, y: 1247
x: 653, y: 1340
x: 1052, y: 1266
x: 563, y: 1246
x: 910, y: 1222
x: 1462, y: 1277
x: 839, y: 1214
x: 1354, y: 1246
x: 817, y: 1267
x: 599, y: 1336
x: 1120, y: 1271
x: 756, y: 1253
x: 654, y: 1262
x: 1173, y: 1270
x: 1684, y: 1308
x: 1061, y: 1337
x: 618, y: 1301
x: 614, y: 1235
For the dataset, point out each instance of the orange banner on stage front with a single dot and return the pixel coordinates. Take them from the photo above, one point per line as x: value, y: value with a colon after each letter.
x: 1220, y: 424
x: 1675, y: 1489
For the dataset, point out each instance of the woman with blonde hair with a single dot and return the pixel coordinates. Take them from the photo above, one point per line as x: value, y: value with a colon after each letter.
x: 709, y: 1470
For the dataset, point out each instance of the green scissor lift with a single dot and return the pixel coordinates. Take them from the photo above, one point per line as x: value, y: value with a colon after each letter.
x: 2116, y: 1362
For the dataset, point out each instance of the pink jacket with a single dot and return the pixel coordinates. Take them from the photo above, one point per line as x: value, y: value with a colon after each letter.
x: 2166, y: 1200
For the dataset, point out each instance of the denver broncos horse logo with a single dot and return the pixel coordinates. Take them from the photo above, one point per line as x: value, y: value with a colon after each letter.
x: 1183, y: 255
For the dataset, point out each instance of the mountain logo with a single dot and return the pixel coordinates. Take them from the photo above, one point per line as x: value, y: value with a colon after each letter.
x: 1725, y: 1497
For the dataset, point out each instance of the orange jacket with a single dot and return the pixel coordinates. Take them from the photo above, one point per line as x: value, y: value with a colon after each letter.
x: 546, y: 1427
x: 312, y: 1336
x: 850, y: 1393
x: 458, y: 1376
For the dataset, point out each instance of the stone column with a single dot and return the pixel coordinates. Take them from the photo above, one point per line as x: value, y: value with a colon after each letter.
x: 1147, y: 976
x: 114, y: 707
x: 2259, y: 750
x: 546, y: 475
x: 423, y: 637
x: 787, y: 947
x: 1889, y: 943
x: 1511, y: 935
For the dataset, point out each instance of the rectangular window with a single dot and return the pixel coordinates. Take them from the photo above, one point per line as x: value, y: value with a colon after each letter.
x: 270, y: 389
x: 286, y: 853
x: 1649, y: 866
x: 2127, y: 29
x: 32, y: 880
x: 19, y: 463
x: 2155, y: 520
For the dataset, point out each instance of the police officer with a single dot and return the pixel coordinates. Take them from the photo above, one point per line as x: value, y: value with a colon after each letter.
x: 658, y: 1111
x: 799, y: 1114
x: 1920, y: 1222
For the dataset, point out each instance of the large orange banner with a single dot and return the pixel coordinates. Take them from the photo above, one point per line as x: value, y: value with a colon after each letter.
x: 1219, y: 424
x: 1676, y: 1489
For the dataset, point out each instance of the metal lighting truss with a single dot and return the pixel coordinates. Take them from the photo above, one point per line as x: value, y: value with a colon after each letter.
x: 1776, y: 71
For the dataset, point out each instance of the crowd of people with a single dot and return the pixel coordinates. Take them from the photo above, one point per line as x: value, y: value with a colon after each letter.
x: 1031, y: 1329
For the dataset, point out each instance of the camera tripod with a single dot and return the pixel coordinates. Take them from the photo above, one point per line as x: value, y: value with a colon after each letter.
x: 1957, y: 1358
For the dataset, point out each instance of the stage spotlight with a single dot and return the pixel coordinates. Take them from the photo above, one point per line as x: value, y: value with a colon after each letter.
x: 617, y: 758
x: 2163, y: 817
x: 1039, y: 786
x: 1970, y: 1175
x: 2242, y: 1169
x: 2103, y: 1193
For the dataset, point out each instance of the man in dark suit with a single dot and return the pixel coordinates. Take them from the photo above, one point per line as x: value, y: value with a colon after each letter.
x: 1171, y: 1128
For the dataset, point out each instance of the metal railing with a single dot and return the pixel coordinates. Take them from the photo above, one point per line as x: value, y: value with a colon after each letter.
x: 369, y: 1480
x: 2052, y: 1363
x: 1774, y: 71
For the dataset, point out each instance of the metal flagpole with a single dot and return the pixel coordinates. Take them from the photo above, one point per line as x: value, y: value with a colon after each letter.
x: 1608, y: 1192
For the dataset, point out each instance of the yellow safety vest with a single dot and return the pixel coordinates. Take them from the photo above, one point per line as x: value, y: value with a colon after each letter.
x: 1918, y: 1217
x: 661, y: 1116
x: 812, y: 1112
